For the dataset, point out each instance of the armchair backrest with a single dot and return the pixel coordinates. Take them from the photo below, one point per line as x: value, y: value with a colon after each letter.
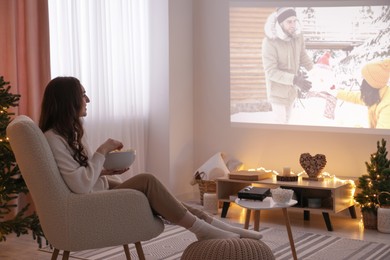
x: 40, y: 172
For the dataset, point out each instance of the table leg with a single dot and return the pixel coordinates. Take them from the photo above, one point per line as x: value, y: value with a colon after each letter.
x: 306, y: 215
x: 225, y: 208
x: 256, y: 220
x: 290, y: 236
x: 352, y: 211
x: 327, y: 221
x: 247, y: 218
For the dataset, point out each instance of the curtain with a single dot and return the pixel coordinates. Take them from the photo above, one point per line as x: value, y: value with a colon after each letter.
x: 105, y: 44
x: 25, y: 62
x: 24, y: 51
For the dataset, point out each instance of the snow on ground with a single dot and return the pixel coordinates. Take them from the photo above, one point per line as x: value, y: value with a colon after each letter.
x: 310, y: 111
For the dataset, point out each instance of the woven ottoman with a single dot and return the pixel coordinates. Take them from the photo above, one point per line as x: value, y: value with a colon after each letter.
x: 227, y: 249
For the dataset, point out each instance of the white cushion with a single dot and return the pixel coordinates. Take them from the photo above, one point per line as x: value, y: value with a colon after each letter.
x: 213, y: 168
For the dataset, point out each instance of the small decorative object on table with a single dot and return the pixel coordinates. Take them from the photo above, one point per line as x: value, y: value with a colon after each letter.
x: 314, y: 202
x: 286, y: 178
x: 281, y: 196
x: 286, y: 175
x: 313, y: 165
x: 253, y: 193
x: 250, y: 175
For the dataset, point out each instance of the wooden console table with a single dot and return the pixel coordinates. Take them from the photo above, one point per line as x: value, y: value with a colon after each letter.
x: 335, y: 195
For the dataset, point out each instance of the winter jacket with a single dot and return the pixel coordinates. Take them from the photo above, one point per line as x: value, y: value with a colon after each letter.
x: 282, y: 57
x: 378, y: 114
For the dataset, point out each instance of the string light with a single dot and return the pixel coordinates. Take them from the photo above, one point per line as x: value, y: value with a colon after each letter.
x: 326, y: 175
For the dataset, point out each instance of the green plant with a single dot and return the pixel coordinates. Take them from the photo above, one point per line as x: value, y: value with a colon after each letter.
x: 375, y: 181
x: 11, y: 181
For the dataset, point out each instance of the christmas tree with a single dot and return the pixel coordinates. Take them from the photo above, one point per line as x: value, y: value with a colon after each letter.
x: 11, y: 181
x: 377, y: 180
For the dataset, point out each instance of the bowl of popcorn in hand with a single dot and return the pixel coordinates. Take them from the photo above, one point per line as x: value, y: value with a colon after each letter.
x: 119, y: 159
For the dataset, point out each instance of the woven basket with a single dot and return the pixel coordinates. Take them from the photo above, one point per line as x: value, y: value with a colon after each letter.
x: 206, y: 186
x: 370, y: 220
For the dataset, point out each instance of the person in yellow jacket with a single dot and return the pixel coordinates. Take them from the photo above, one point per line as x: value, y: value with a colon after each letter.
x: 374, y: 93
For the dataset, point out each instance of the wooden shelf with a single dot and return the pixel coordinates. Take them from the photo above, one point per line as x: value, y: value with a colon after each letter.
x: 335, y: 195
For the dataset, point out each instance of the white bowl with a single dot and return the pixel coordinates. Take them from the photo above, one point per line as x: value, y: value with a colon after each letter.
x: 119, y: 160
x: 282, y: 196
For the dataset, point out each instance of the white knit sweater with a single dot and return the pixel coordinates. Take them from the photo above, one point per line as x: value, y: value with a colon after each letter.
x: 79, y: 179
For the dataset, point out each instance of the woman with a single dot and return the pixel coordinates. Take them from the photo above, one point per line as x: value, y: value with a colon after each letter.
x: 64, y: 103
x: 374, y: 93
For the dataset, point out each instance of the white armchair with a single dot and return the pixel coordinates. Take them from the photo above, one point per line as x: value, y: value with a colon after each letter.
x: 74, y: 222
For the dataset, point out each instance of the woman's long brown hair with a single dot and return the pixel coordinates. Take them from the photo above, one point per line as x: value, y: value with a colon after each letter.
x: 60, y: 111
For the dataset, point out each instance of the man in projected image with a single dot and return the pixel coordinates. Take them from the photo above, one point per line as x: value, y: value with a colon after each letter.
x: 283, y: 54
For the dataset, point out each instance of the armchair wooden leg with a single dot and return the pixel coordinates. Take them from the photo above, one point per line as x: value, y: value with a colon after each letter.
x: 127, y: 252
x: 55, y: 254
x: 140, y: 252
x: 65, y: 256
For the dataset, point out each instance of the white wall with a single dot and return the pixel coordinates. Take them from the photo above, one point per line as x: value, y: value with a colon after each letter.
x: 170, y: 149
x: 158, y: 141
x: 190, y: 106
x: 181, y: 94
x: 273, y: 149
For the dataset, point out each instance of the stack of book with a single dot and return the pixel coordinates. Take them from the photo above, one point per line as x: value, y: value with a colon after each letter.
x: 250, y: 175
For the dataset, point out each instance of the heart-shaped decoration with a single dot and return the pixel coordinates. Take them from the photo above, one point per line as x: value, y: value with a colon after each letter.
x: 313, y: 165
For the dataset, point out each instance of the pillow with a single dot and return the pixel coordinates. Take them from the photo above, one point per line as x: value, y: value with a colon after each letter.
x: 234, y: 165
x: 213, y: 168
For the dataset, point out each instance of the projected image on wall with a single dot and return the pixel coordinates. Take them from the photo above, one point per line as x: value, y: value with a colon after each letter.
x: 283, y: 83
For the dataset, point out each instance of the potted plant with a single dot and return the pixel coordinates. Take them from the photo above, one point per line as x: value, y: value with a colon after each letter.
x: 370, y: 185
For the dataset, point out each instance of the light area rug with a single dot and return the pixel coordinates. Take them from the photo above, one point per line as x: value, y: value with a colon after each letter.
x: 309, y: 246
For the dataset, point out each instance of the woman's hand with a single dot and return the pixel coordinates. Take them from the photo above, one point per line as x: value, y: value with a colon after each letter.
x: 113, y: 172
x: 109, y: 145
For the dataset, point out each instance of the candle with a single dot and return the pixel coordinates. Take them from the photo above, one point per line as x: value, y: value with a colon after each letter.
x: 286, y: 171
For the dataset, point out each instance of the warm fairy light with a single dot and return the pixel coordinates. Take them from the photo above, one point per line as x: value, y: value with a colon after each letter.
x: 326, y: 175
x: 242, y: 215
x: 361, y: 228
x: 4, y: 140
x: 262, y: 169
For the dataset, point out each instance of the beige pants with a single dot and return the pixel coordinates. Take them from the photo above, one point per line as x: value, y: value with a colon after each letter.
x: 161, y: 201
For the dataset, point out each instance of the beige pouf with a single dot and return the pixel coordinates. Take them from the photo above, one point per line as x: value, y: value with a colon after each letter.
x: 228, y: 249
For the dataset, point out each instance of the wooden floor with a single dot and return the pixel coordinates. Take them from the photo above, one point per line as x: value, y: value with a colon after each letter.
x: 25, y: 248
